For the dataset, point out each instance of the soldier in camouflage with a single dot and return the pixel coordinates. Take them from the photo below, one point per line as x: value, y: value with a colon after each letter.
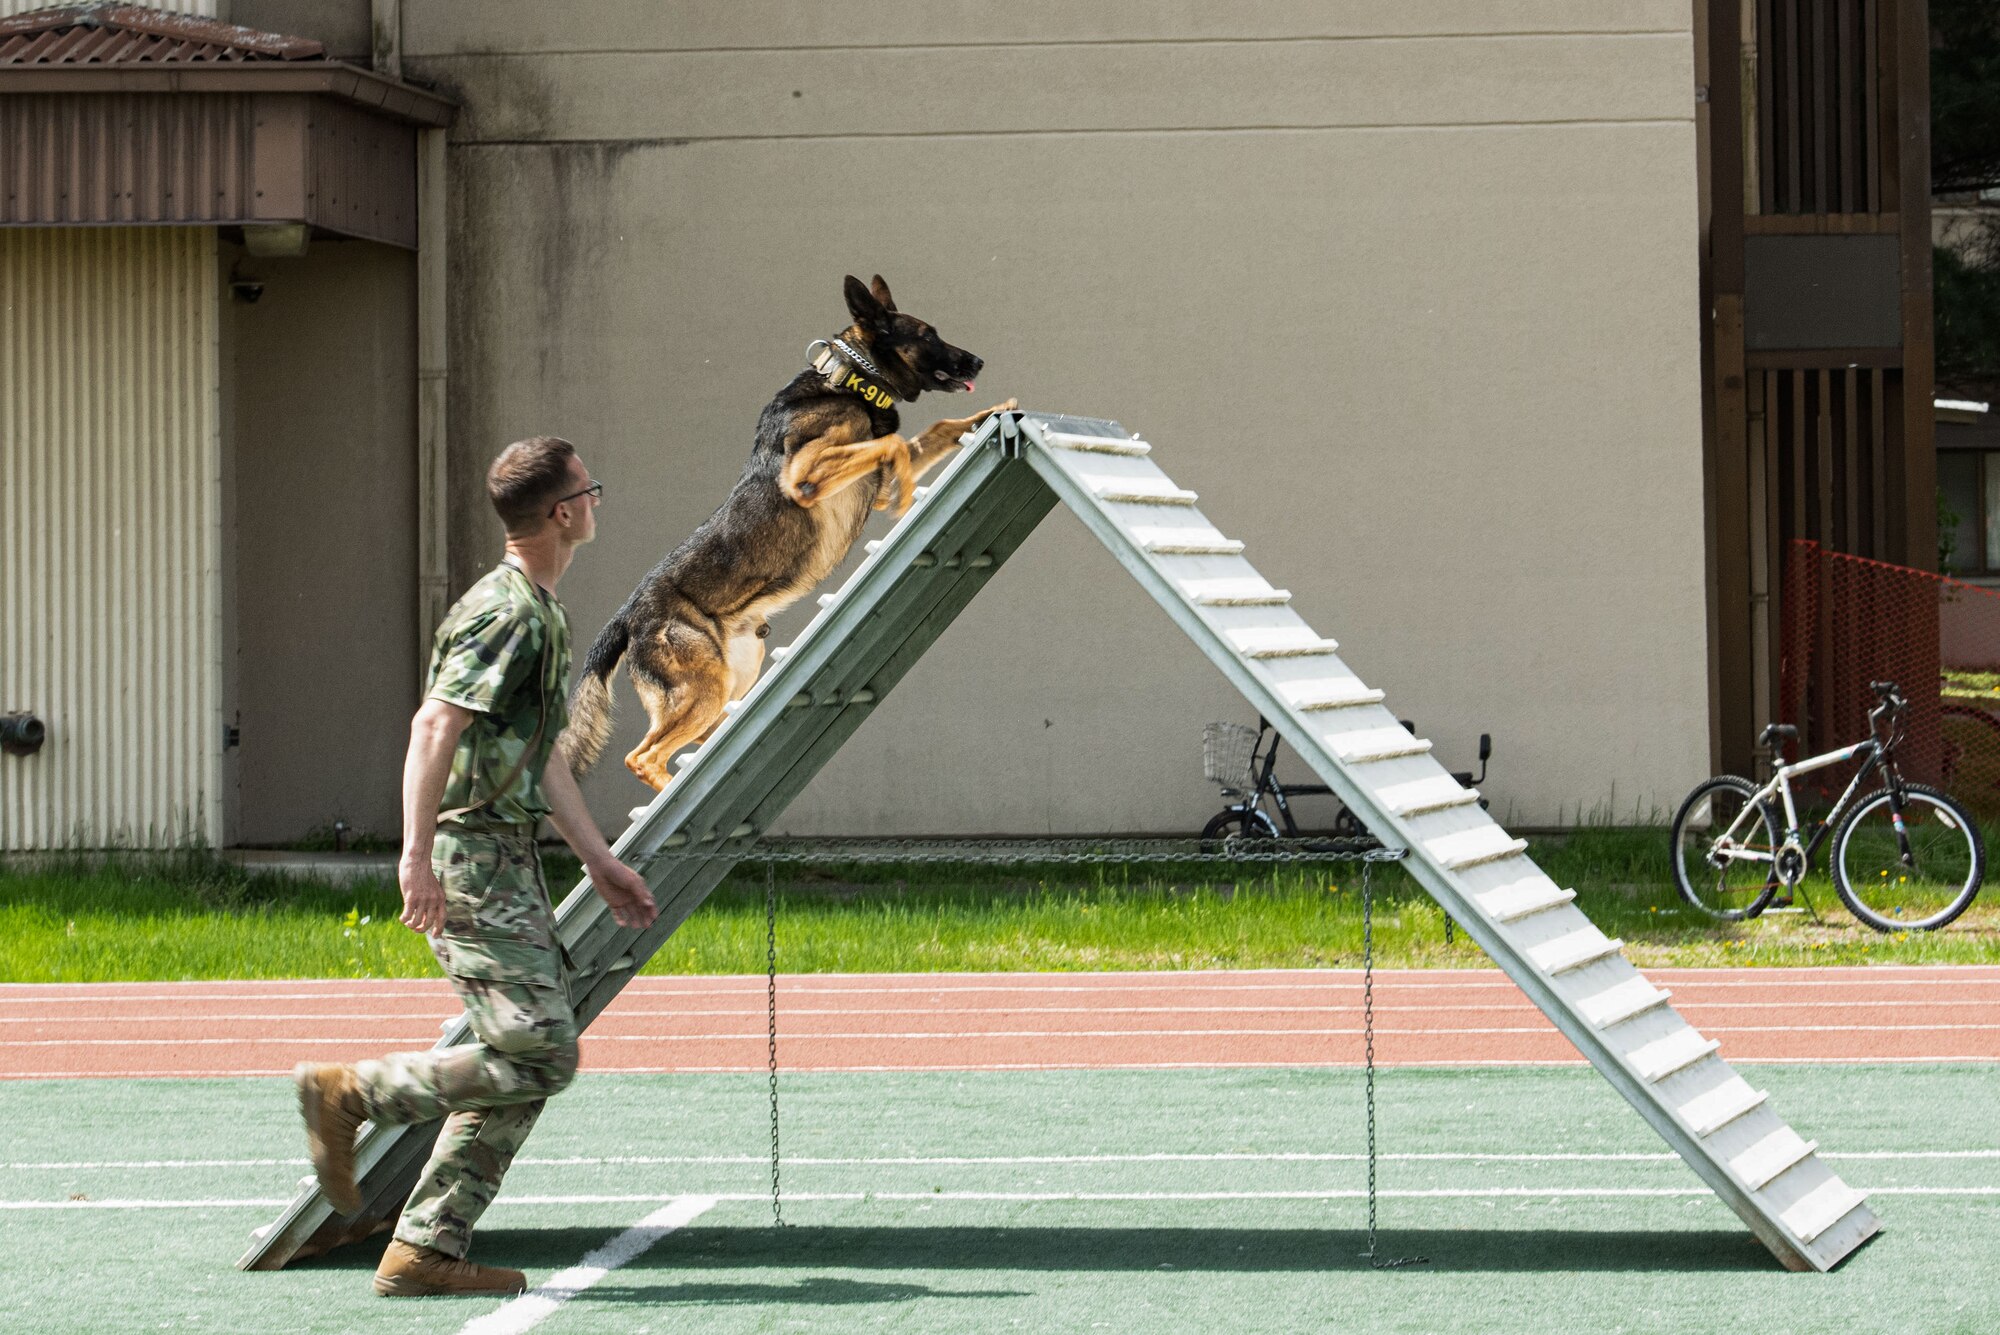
x: 481, y: 775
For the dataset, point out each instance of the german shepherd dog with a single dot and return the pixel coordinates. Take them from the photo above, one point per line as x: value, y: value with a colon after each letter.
x: 692, y: 633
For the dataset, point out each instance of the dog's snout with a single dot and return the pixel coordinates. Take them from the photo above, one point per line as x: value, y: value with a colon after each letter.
x: 974, y: 365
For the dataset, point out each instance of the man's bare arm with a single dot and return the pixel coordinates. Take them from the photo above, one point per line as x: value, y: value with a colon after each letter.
x: 623, y: 890
x: 434, y: 736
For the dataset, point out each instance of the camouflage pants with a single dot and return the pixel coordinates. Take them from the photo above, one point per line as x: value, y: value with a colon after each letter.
x: 498, y: 949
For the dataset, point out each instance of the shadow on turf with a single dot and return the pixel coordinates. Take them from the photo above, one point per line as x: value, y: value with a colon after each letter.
x: 693, y: 1256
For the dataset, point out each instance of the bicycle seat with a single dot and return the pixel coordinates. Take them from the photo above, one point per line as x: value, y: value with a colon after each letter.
x: 1778, y: 732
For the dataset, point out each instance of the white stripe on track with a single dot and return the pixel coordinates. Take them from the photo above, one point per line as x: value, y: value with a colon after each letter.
x: 757, y: 1068
x: 1522, y: 1007
x: 1332, y: 980
x: 1054, y: 1197
x: 959, y: 1161
x: 538, y: 1304
x: 960, y: 1035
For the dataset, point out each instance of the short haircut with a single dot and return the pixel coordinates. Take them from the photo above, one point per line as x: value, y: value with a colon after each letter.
x: 527, y: 479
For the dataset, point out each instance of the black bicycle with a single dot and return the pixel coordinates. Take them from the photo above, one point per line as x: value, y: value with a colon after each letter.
x: 1905, y: 857
x: 1244, y: 762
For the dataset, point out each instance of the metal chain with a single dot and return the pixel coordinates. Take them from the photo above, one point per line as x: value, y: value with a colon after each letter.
x: 1368, y: 1060
x: 747, y: 846
x: 771, y: 993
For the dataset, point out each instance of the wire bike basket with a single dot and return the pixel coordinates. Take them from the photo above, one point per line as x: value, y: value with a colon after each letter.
x: 1228, y: 751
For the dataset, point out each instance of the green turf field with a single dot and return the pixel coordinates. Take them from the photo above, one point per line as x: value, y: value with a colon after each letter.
x: 1066, y: 1225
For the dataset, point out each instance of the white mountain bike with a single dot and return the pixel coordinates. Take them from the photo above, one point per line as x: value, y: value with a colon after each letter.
x: 1905, y: 857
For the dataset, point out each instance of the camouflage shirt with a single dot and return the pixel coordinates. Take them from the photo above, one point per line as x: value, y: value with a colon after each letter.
x: 503, y: 653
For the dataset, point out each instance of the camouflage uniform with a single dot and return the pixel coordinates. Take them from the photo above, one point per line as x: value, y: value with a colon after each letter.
x: 503, y: 653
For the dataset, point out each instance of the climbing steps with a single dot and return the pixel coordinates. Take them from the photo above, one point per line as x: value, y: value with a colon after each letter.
x: 910, y: 587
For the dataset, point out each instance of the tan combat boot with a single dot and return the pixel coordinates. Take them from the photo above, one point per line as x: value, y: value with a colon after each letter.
x: 424, y: 1272
x: 330, y: 1100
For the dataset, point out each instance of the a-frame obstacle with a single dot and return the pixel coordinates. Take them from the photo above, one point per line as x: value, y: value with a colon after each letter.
x: 914, y: 582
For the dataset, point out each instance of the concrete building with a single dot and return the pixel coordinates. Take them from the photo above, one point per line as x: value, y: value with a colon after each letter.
x: 1414, y: 295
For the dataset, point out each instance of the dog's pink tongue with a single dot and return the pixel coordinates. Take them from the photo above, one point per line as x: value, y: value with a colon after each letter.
x: 968, y: 387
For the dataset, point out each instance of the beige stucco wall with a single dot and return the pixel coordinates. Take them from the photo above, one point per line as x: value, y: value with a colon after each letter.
x: 321, y: 387
x: 1406, y: 291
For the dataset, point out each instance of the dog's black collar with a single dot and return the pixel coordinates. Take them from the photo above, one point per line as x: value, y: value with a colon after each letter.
x: 848, y: 372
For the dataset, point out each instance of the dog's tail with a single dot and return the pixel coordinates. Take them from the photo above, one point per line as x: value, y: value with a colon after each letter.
x: 590, y: 706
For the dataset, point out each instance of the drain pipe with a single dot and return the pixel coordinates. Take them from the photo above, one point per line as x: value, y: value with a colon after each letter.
x: 433, y: 372
x: 433, y: 382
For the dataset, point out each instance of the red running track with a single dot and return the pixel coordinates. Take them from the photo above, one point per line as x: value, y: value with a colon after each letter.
x: 1264, y: 1018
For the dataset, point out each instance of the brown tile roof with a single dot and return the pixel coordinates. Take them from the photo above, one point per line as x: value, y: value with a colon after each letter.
x: 106, y: 34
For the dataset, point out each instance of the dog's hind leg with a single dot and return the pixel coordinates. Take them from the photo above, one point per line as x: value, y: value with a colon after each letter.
x: 683, y: 696
x: 744, y: 652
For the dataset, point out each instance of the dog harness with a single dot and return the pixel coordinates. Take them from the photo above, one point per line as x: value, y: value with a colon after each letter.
x: 848, y: 372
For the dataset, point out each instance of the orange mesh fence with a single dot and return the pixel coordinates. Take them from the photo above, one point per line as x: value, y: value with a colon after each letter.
x: 1849, y: 621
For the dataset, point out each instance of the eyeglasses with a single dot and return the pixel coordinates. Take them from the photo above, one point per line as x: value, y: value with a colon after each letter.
x: 595, y: 488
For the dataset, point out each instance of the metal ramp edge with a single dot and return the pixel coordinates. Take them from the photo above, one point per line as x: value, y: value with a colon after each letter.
x: 1724, y: 1128
x: 810, y: 699
x: 911, y: 586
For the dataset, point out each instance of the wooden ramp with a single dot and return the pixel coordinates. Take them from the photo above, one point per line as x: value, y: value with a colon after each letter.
x: 913, y: 583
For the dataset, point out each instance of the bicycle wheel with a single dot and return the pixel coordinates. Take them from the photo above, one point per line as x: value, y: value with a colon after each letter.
x: 1233, y: 826
x: 1723, y: 850
x: 1913, y: 880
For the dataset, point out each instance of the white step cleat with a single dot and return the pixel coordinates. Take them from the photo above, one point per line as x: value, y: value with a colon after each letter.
x: 1475, y: 847
x: 1759, y: 1166
x: 1625, y: 1001
x: 1821, y: 1208
x: 1138, y: 491
x: 1584, y: 946
x: 1331, y: 693
x: 1708, y: 1113
x: 1517, y: 899
x: 1372, y: 744
x: 1185, y: 541
x: 1676, y: 1052
x: 1278, y: 641
x: 1233, y: 593
x: 1063, y: 440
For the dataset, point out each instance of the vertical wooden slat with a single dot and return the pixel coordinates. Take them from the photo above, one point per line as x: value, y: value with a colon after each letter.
x: 1871, y: 106
x: 1801, y: 472
x: 1767, y: 161
x: 1850, y: 447
x: 1795, y: 200
x: 1887, y: 99
x: 1845, y: 128
x: 1727, y: 454
x: 1919, y: 463
x: 1823, y: 436
x: 1819, y: 110
x: 1896, y: 500
x: 1878, y: 454
x: 1773, y: 521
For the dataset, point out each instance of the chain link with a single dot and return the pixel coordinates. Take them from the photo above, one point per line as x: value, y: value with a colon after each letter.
x: 749, y: 847
x: 1368, y: 1061
x: 771, y: 993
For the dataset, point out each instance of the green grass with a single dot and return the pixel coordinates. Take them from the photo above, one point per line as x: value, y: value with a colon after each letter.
x: 896, y: 1236
x: 191, y: 915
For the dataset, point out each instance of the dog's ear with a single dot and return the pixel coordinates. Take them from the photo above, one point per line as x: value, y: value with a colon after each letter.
x: 881, y: 291
x: 862, y: 305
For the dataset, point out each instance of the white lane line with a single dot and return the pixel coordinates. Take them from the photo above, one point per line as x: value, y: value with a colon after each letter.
x: 821, y: 1068
x: 1522, y: 1007
x: 531, y: 1308
x: 1327, y: 1194
x: 1029, y: 1160
x: 1320, y: 982
x: 956, y: 1035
